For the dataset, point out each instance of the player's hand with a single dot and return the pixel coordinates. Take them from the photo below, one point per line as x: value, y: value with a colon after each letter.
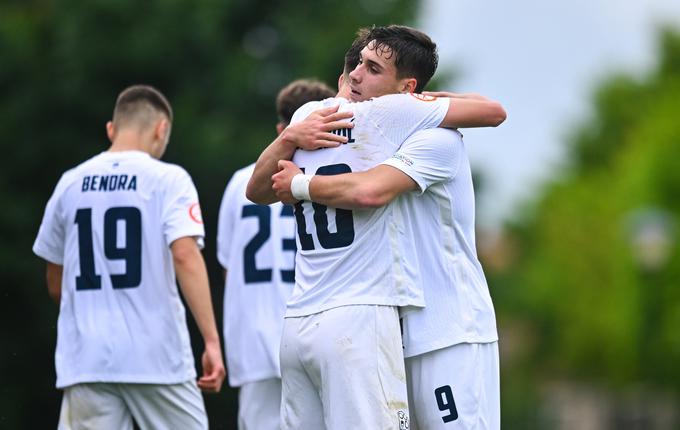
x: 314, y: 132
x: 281, y: 181
x: 213, y: 369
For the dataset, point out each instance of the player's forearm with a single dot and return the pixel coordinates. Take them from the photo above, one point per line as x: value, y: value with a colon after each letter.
x: 361, y: 190
x: 193, y: 281
x: 473, y: 112
x: 259, y: 188
x: 53, y: 276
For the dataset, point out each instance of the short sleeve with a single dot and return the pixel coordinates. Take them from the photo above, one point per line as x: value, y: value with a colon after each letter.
x: 400, y: 115
x: 226, y: 219
x: 429, y: 156
x: 181, y: 208
x: 49, y: 245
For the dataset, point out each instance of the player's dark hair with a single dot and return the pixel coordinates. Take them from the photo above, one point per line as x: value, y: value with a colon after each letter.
x: 354, y: 52
x: 297, y: 93
x: 136, y: 98
x: 415, y: 54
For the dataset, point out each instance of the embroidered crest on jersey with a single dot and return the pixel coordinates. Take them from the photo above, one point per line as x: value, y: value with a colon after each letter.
x: 423, y: 97
x: 195, y: 213
x: 403, y: 420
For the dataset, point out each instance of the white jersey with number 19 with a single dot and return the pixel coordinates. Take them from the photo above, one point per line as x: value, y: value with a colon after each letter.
x: 110, y: 223
x: 353, y: 257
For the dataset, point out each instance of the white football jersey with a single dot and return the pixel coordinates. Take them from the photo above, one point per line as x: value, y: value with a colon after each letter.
x: 353, y: 257
x: 458, y: 306
x: 256, y: 245
x: 110, y: 223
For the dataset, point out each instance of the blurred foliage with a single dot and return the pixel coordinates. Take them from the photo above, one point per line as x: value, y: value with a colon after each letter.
x: 597, y: 273
x: 62, y: 64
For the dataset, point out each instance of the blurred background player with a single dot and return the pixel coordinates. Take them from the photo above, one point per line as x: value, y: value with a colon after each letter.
x: 256, y: 247
x: 115, y: 232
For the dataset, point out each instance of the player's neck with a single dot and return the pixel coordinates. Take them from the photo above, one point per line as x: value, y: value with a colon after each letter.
x: 344, y: 92
x: 130, y: 140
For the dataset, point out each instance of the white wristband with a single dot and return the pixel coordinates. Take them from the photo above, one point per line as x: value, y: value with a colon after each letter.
x: 299, y: 186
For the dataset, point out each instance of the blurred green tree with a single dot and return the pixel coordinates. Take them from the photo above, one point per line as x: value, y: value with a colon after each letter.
x: 597, y: 275
x: 62, y: 63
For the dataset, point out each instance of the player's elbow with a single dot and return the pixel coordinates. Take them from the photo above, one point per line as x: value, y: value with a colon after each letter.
x: 54, y: 292
x: 184, y: 252
x: 370, y: 197
x: 251, y: 193
x: 498, y: 115
x: 256, y: 196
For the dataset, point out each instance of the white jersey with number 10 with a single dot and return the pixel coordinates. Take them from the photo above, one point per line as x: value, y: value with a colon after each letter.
x: 353, y: 257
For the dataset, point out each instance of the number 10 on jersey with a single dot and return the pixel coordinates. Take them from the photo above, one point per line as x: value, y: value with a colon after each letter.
x: 344, y: 220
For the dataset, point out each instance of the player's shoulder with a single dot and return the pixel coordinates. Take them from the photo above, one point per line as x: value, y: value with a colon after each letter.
x: 404, y: 98
x: 439, y: 133
x: 246, y: 171
x: 72, y: 175
x: 166, y: 170
x: 303, y: 111
x: 241, y: 177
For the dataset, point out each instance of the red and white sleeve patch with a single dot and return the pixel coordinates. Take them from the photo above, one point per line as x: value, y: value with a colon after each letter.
x: 195, y: 213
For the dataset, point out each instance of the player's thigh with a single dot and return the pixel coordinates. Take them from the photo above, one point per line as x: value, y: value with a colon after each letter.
x: 360, y: 358
x: 166, y: 406
x: 300, y: 402
x: 259, y: 405
x: 93, y: 406
x: 455, y: 388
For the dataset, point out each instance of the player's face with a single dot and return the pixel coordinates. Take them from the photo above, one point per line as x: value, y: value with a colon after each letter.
x: 375, y: 75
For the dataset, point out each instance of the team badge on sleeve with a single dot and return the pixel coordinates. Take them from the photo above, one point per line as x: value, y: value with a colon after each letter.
x: 423, y: 97
x: 195, y: 213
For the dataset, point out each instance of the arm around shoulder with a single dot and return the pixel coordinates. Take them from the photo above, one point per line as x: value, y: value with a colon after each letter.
x: 466, y: 112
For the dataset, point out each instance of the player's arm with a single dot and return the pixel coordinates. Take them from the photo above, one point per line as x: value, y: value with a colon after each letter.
x: 313, y: 132
x: 471, y: 110
x: 369, y: 189
x: 193, y: 281
x: 53, y: 276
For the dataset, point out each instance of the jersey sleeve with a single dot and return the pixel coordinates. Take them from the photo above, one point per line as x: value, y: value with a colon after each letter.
x: 400, y: 115
x: 227, y: 219
x: 182, y: 211
x: 49, y: 244
x: 429, y: 156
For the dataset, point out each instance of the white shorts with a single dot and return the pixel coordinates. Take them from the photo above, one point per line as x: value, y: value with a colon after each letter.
x: 112, y: 406
x: 455, y: 388
x: 344, y: 369
x: 259, y: 405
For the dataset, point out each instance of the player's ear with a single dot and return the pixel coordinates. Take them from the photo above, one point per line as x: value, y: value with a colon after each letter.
x: 409, y: 85
x: 280, y: 126
x: 110, y: 131
x: 341, y: 80
x: 162, y: 129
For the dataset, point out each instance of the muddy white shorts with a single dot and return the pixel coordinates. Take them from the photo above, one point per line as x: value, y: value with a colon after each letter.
x: 344, y: 369
x: 455, y: 388
x: 113, y: 405
x: 259, y: 405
